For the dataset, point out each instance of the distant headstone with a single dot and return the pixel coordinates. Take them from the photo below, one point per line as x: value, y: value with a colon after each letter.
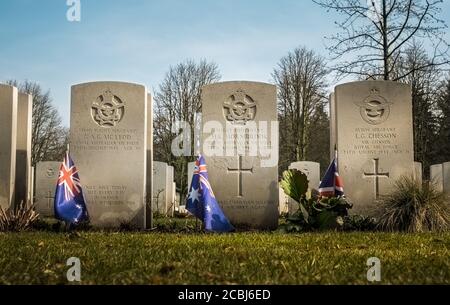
x: 191, y: 167
x: 311, y: 170
x: 23, y: 148
x: 8, y: 133
x: 109, y: 147
x: 47, y: 174
x: 374, y: 138
x: 283, y: 202
x: 446, y: 177
x: 418, y: 172
x: 171, y: 190
x: 244, y: 179
x: 437, y: 176
x: 160, y: 189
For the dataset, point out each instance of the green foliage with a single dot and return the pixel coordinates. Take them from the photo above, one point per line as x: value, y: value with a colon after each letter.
x: 412, y: 207
x: 359, y: 223
x: 295, y: 184
x: 314, y: 213
x: 18, y: 219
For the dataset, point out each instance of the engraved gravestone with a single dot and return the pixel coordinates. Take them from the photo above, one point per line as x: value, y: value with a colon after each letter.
x: 437, y: 176
x: 23, y: 149
x: 160, y: 189
x: 374, y: 138
x: 241, y: 151
x: 109, y: 147
x: 8, y: 133
x: 47, y: 174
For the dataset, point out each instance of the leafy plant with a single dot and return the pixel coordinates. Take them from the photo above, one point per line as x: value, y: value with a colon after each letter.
x: 295, y: 185
x: 20, y: 218
x: 413, y: 207
x: 314, y: 213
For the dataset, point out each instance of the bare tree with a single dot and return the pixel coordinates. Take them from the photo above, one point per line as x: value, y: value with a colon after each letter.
x: 425, y: 87
x: 49, y: 136
x: 442, y: 145
x: 178, y: 98
x: 374, y: 35
x: 300, y: 77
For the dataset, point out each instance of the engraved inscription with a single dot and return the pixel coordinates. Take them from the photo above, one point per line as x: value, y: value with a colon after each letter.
x: 375, y: 141
x: 112, y: 140
x: 108, y: 110
x: 107, y: 195
x: 375, y: 109
x: 239, y: 108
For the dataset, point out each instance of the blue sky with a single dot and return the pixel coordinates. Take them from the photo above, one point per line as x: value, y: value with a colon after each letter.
x: 138, y: 40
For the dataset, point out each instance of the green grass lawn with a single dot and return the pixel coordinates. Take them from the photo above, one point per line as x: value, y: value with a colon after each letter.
x: 242, y: 258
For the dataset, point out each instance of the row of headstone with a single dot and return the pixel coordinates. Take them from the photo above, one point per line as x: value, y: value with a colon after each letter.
x: 440, y: 176
x: 111, y: 144
x: 15, y: 147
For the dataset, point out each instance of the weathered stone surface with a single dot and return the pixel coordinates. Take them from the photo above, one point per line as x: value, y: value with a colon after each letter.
x: 47, y: 174
x: 8, y: 133
x: 241, y: 165
x: 23, y: 148
x: 109, y: 148
x: 374, y: 138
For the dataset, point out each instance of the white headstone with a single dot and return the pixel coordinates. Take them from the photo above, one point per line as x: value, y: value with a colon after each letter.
x: 47, y: 174
x: 244, y: 181
x: 374, y: 139
x: 8, y: 134
x: 109, y: 147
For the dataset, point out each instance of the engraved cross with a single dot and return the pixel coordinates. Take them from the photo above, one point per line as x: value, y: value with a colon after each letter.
x: 377, y: 175
x: 240, y: 171
x: 49, y: 199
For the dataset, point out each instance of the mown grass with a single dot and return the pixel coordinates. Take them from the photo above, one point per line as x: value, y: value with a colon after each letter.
x: 242, y: 258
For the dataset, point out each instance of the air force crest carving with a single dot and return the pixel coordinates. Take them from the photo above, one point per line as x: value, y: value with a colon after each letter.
x: 107, y: 110
x: 375, y: 109
x: 239, y: 108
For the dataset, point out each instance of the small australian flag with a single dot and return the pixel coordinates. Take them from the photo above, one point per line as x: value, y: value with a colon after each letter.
x: 203, y: 204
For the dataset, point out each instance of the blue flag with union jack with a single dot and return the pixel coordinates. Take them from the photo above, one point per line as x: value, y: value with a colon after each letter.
x: 70, y: 205
x: 203, y: 204
x: 332, y: 184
